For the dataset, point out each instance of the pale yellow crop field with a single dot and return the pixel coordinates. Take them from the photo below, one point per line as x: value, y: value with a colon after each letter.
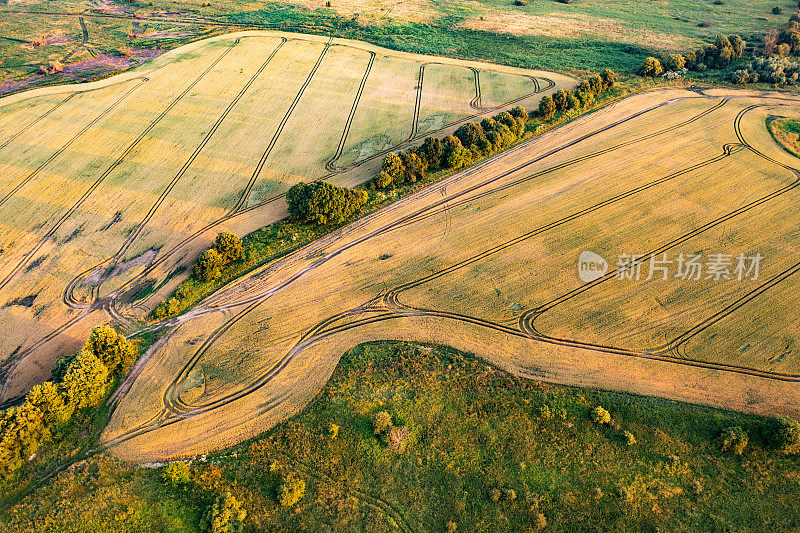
x: 487, y: 261
x: 108, y: 184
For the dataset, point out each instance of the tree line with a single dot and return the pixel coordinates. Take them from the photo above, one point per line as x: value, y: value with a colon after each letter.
x: 79, y: 381
x: 718, y: 55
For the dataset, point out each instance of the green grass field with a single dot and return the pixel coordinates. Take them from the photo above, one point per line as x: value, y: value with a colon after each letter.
x: 472, y: 428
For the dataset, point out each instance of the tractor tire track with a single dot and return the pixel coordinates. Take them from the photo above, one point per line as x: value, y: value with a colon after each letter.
x: 108, y: 170
x: 37, y: 120
x: 245, y: 197
x: 330, y: 165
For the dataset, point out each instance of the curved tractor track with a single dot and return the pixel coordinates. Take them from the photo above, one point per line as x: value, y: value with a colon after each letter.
x: 388, y: 307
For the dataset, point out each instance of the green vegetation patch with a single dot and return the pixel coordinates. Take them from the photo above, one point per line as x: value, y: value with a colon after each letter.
x: 421, y: 436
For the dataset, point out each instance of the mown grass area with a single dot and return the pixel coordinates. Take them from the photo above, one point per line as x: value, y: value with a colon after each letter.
x: 472, y: 429
x: 444, y: 38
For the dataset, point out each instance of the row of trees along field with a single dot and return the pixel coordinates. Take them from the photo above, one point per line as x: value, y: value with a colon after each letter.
x: 79, y: 381
x: 475, y: 140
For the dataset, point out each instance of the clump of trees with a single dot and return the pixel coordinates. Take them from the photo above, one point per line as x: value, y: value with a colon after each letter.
x: 227, y: 249
x: 783, y: 434
x: 584, y: 95
x: 733, y: 439
x: 717, y: 55
x: 322, y: 203
x: 176, y: 474
x: 79, y: 381
x: 395, y: 437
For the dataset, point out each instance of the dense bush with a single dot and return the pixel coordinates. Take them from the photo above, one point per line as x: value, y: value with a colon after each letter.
x: 321, y: 203
x: 733, y: 439
x: 229, y: 246
x: 225, y: 515
x: 176, y: 474
x: 651, y: 67
x: 783, y: 434
x: 209, y: 265
x: 292, y: 490
x: 381, y: 422
x: 600, y: 416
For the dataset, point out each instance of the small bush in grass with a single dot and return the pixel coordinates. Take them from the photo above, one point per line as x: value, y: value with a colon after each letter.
x: 565, y: 1
x: 520, y: 2
x: 292, y: 490
x: 397, y: 439
x: 332, y: 430
x: 451, y: 527
x: 600, y: 416
x: 733, y: 439
x: 628, y: 438
x: 176, y: 474
x: 545, y: 413
x: 509, y: 495
x: 777, y: 10
x: 539, y: 521
x: 495, y: 495
x: 381, y: 422
x: 625, y: 494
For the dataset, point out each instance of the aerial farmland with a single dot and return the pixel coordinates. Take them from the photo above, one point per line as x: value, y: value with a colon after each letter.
x: 353, y: 267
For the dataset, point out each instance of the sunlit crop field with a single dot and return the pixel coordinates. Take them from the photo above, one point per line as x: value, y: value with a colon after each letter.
x: 111, y: 185
x: 488, y: 261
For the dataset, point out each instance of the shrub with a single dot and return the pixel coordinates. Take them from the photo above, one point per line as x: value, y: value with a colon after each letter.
x: 625, y: 494
x: 381, y: 422
x: 451, y: 527
x: 495, y: 495
x: 600, y: 416
x: 176, y: 474
x: 229, y: 247
x: 674, y: 62
x: 783, y: 434
x: 733, y: 439
x: 510, y: 495
x: 85, y: 381
x: 539, y: 521
x: 610, y: 78
x: 292, y: 490
x: 397, y: 439
x: 53, y: 67
x: 332, y: 430
x: 628, y: 438
x: 208, y: 266
x: 545, y: 413
x: 777, y: 10
x: 520, y: 2
x: 225, y: 515
x: 651, y: 67
x: 565, y: 1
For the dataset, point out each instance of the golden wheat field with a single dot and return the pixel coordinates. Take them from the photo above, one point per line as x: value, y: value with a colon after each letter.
x: 118, y: 183
x: 488, y: 261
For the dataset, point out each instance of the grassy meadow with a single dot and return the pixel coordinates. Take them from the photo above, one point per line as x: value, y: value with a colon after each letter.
x: 472, y: 429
